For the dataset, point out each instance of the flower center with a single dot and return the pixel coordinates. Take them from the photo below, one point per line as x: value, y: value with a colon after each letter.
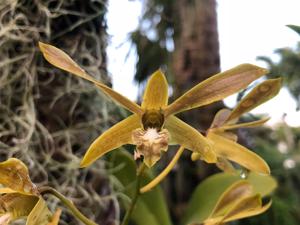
x: 149, y: 143
x: 151, y: 139
x: 153, y: 119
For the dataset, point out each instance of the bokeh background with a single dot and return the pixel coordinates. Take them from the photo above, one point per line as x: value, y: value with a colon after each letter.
x: 49, y: 118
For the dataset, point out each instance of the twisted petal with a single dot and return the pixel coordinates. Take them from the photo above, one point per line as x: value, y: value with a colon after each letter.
x: 156, y: 92
x: 216, y: 88
x: 17, y: 204
x: 111, y: 139
x: 233, y: 194
x: 237, y: 153
x: 14, y: 175
x: 260, y: 94
x: 247, y: 207
x: 61, y: 60
x: 188, y: 137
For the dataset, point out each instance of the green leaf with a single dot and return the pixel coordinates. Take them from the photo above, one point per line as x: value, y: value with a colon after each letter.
x: 151, y: 208
x: 207, y: 194
x: 294, y: 28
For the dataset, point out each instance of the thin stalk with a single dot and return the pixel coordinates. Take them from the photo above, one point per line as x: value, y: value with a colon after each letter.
x: 67, y: 203
x: 164, y: 173
x: 136, y: 195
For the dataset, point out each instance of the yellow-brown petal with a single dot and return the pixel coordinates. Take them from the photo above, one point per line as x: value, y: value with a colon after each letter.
x: 260, y: 94
x: 63, y: 61
x: 40, y: 214
x: 188, y: 137
x: 255, y: 123
x: 14, y: 175
x: 232, y: 195
x: 111, y: 139
x: 220, y: 118
x: 216, y: 88
x: 251, y: 208
x: 156, y: 92
x: 55, y: 217
x: 238, y: 153
x: 17, y: 204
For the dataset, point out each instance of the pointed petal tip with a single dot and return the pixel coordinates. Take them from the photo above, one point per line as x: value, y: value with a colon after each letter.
x: 83, y: 164
x: 258, y: 68
x: 87, y: 160
x: 159, y: 76
x: 156, y: 91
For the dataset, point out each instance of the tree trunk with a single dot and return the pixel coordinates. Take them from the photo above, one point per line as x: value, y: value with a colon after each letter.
x: 48, y: 118
x: 195, y: 59
x: 196, y: 55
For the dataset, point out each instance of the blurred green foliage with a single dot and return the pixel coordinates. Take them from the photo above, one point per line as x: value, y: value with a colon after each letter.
x: 288, y: 67
x: 155, y: 33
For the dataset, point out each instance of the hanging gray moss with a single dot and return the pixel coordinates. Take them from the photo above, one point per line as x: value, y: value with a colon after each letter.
x: 47, y: 117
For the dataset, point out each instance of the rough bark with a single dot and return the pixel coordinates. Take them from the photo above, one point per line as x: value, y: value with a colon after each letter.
x: 196, y: 55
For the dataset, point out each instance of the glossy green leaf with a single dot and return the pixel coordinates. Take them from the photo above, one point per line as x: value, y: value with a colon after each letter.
x: 216, y: 88
x: 151, y: 208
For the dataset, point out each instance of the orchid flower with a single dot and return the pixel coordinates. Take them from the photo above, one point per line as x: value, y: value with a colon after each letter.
x: 153, y: 124
x: 21, y: 198
x: 237, y: 202
x: 224, y: 142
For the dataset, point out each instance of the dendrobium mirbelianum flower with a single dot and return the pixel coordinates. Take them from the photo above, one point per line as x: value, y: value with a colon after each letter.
x: 21, y: 198
x: 153, y: 125
x: 224, y: 141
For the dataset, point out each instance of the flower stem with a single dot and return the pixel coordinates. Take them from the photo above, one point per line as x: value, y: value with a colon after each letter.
x: 67, y: 203
x: 164, y: 173
x: 136, y: 195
